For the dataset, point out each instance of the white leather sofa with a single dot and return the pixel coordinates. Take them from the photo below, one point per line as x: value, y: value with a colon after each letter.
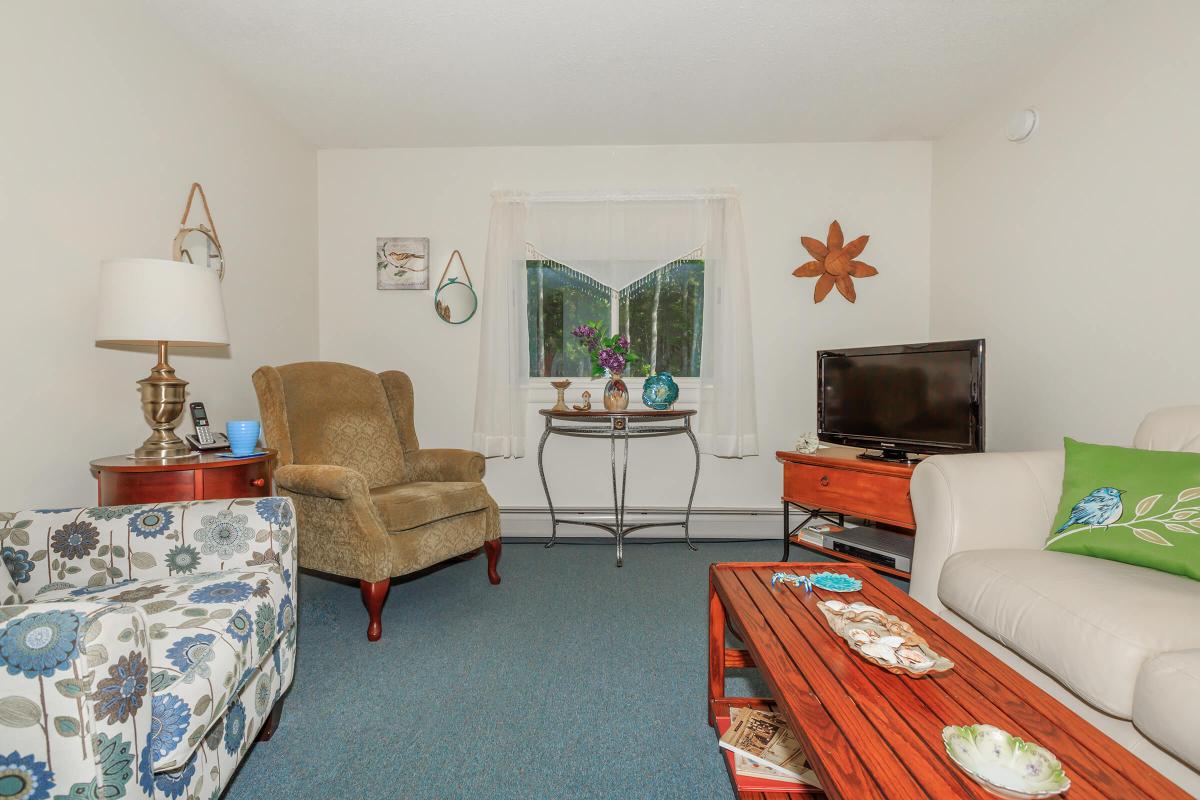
x: 1118, y: 644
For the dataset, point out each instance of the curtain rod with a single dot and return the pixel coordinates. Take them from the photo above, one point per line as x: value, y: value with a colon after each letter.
x: 611, y: 197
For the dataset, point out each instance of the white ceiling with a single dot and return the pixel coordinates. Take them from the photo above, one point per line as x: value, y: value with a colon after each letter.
x: 389, y: 73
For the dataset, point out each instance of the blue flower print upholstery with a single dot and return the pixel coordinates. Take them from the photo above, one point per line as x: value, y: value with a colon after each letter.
x: 205, y: 631
x: 155, y: 640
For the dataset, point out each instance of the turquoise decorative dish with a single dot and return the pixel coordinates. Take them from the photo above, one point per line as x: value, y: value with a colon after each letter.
x: 835, y: 582
x: 1003, y: 764
x: 660, y: 391
x: 830, y: 581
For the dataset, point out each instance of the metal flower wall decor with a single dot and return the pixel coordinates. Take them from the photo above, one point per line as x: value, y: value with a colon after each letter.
x: 834, y: 263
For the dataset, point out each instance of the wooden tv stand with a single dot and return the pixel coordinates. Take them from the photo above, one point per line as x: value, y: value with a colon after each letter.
x: 834, y: 481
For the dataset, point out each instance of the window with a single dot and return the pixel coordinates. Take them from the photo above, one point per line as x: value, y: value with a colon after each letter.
x: 559, y: 299
x: 662, y: 313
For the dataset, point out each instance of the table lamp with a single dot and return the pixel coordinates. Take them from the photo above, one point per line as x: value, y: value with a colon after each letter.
x: 153, y: 301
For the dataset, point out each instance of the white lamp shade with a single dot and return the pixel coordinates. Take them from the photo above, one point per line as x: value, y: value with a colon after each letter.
x: 154, y: 300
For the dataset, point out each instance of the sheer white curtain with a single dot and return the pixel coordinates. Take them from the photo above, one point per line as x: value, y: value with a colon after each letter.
x: 728, y: 421
x: 500, y: 394
x: 617, y: 239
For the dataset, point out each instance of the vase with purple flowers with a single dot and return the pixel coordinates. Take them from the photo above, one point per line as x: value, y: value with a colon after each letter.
x: 611, y: 356
x: 616, y: 393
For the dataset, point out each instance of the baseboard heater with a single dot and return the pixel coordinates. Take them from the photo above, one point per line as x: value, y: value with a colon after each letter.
x: 873, y: 544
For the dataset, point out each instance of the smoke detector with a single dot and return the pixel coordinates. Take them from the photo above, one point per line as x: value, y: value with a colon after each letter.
x: 1022, y: 125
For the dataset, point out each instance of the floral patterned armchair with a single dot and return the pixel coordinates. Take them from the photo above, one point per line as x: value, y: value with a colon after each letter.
x: 142, y: 648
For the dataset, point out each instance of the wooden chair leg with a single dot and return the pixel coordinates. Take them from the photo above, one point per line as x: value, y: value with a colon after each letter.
x: 373, y: 595
x: 270, y: 723
x: 493, y: 557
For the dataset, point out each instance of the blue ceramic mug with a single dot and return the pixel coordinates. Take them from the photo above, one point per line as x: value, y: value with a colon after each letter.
x: 243, y: 436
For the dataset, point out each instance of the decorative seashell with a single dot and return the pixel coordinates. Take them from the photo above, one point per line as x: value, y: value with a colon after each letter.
x: 880, y: 651
x: 883, y: 639
x: 859, y: 636
x: 913, y: 657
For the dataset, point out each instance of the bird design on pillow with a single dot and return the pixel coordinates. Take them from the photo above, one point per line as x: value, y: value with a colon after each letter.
x: 1100, y: 508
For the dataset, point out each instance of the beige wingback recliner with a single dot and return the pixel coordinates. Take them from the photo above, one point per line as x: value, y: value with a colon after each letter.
x: 370, y: 503
x: 1116, y: 643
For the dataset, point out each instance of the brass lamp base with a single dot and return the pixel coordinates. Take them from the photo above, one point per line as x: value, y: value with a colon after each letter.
x: 163, y: 396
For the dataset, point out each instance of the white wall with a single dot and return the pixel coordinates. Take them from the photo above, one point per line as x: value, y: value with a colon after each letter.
x: 1072, y: 252
x: 787, y: 190
x: 106, y: 120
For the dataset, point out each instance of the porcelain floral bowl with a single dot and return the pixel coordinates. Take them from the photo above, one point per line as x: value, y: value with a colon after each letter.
x: 1003, y: 764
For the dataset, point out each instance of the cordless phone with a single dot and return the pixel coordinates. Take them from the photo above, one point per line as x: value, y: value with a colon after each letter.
x: 204, y: 438
x: 200, y: 420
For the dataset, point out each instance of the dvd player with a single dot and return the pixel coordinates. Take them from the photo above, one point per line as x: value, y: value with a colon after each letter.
x: 876, y: 545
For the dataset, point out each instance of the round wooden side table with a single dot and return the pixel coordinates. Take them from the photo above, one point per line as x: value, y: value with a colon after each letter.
x: 123, y: 481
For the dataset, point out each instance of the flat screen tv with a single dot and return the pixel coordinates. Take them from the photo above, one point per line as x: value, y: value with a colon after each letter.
x: 902, y: 399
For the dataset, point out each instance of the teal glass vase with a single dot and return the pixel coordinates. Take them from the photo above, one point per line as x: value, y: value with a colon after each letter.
x: 660, y: 391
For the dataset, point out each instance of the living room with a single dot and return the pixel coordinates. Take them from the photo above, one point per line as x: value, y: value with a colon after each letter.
x: 783, y: 185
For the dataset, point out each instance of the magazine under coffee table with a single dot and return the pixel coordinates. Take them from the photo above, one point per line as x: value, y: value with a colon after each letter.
x: 871, y: 734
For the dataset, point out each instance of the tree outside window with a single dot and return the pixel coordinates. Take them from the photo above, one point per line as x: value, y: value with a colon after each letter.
x: 662, y: 313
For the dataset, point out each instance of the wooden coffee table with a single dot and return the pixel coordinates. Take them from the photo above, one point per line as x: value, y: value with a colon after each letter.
x: 871, y: 734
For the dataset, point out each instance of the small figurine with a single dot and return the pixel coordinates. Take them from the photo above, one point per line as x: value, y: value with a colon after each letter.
x: 808, y: 443
x: 794, y: 580
x: 561, y: 386
x: 587, y: 402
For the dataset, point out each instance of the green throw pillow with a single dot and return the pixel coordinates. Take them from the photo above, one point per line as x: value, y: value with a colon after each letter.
x: 1137, y: 506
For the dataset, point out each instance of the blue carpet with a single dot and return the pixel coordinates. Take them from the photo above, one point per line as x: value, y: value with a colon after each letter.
x: 570, y: 679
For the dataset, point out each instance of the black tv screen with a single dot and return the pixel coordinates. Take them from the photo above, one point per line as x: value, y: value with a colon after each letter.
x: 923, y: 398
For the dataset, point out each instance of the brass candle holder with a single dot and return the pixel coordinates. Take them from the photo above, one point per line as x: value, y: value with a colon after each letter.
x: 561, y: 385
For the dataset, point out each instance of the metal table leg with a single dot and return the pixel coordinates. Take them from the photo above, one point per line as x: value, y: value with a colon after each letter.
x: 546, y: 486
x: 811, y: 514
x: 619, y: 426
x: 624, y: 483
x: 787, y: 529
x: 687, y: 517
x: 619, y: 496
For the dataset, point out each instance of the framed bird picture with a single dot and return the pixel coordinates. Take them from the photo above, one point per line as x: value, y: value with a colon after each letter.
x: 401, y: 262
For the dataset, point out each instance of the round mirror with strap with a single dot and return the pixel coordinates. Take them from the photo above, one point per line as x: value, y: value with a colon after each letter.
x: 199, y: 244
x: 455, y: 301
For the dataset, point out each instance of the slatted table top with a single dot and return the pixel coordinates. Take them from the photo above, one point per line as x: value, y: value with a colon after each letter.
x: 872, y: 734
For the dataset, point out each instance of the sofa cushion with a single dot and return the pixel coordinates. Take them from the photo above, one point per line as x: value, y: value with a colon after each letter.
x: 208, y: 634
x: 410, y: 505
x: 1125, y: 504
x: 1166, y: 703
x: 1088, y: 622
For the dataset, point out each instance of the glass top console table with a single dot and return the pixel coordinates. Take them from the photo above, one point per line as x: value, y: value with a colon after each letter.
x: 614, y: 426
